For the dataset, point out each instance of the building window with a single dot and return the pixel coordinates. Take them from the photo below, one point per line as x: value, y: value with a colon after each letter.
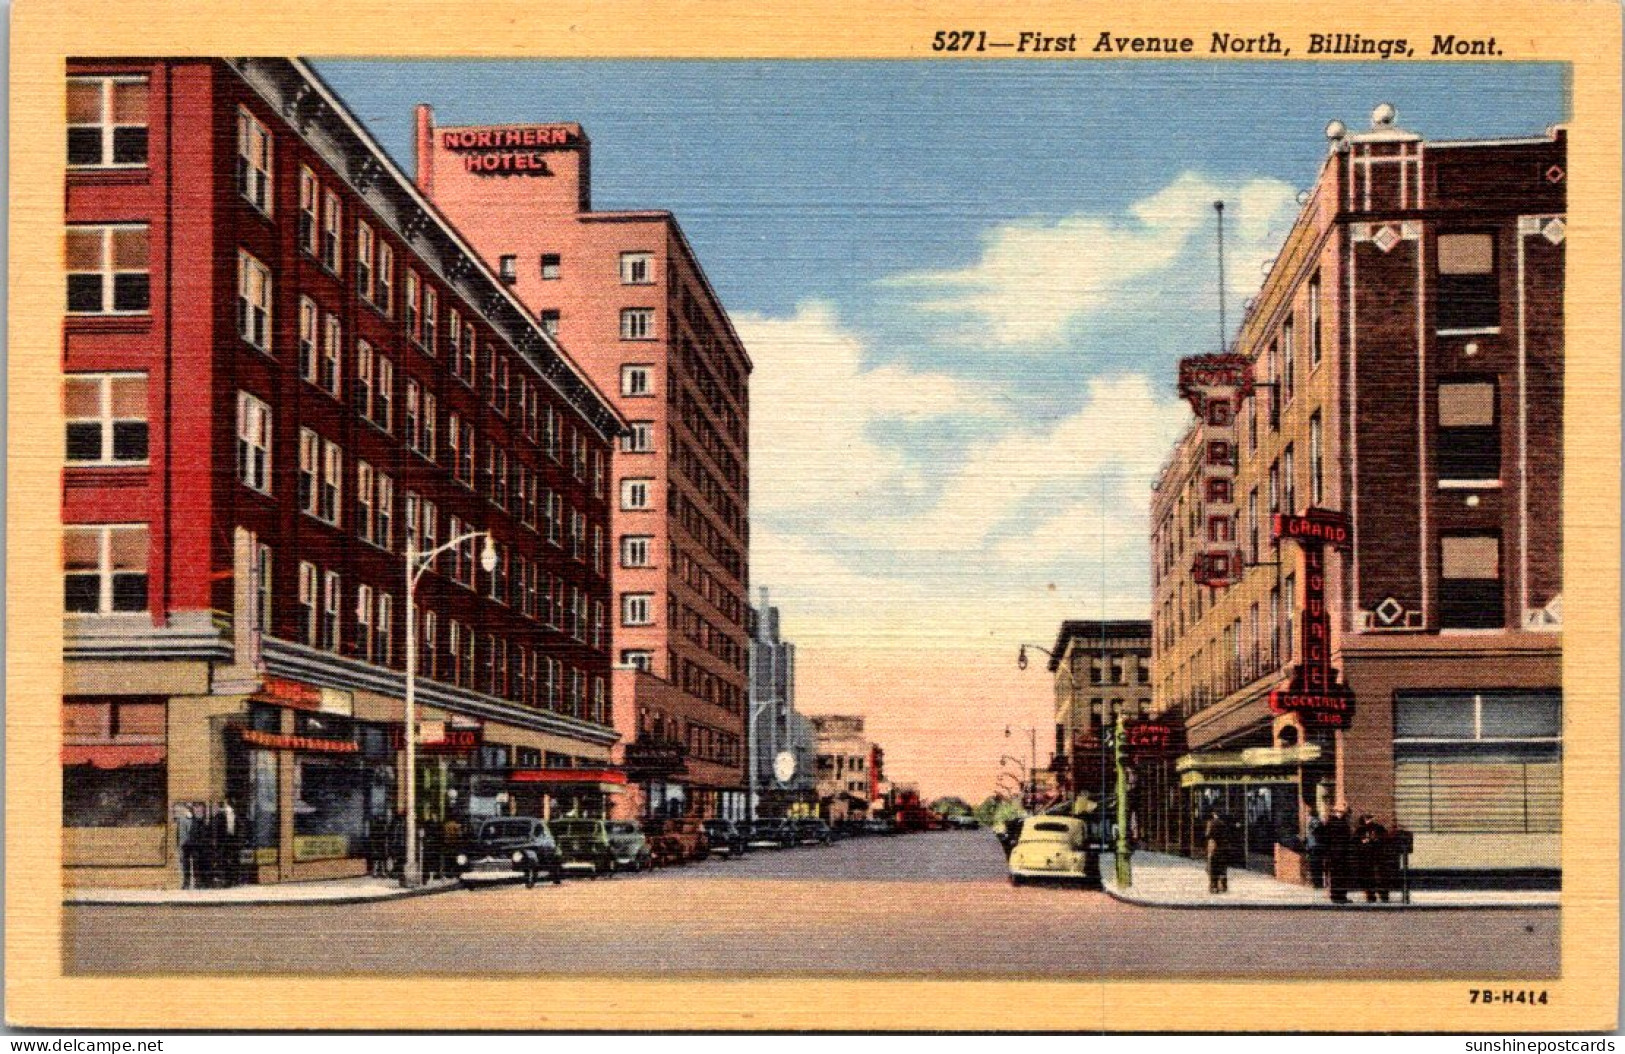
x: 1290, y: 591
x: 1220, y: 529
x: 363, y: 621
x: 550, y: 266
x: 366, y: 246
x: 107, y: 270
x: 310, y: 193
x: 310, y: 457
x: 549, y: 318
x: 1470, y: 595
x: 637, y: 609
x: 637, y: 269
x: 1469, y: 440
x: 1218, y: 491
x: 508, y: 268
x: 464, y: 366
x: 332, y: 482
x: 331, y: 367
x: 1317, y: 461
x: 254, y: 443
x: 106, y: 418
x: 1314, y: 321
x: 105, y: 569
x: 640, y: 440
x: 383, y: 404
x: 1289, y: 482
x: 1220, y: 453
x: 414, y: 306
x: 332, y: 223
x: 309, y: 323
x: 383, y: 534
x: 431, y: 319
x: 386, y: 279
x: 635, y: 493
x: 253, y: 301
x: 1289, y: 360
x: 253, y: 162
x: 635, y: 380
x: 384, y: 652
x: 363, y: 500
x: 107, y: 122
x: 1469, y: 295
x: 1252, y: 525
x: 638, y: 323
x: 331, y: 596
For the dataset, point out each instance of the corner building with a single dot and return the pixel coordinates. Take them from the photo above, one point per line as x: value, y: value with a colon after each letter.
x: 624, y: 292
x: 1399, y: 377
x: 282, y: 367
x: 1102, y: 669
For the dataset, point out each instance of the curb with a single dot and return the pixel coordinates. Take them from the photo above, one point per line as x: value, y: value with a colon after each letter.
x: 402, y: 894
x: 1298, y: 905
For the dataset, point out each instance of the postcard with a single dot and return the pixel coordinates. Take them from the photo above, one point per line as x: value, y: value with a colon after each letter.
x: 852, y: 518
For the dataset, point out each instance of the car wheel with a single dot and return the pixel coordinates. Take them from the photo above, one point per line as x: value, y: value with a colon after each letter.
x: 530, y: 878
x: 1016, y: 880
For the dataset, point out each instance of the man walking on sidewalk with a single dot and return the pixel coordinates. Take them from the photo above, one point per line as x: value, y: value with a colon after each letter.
x: 1338, y: 862
x: 1217, y: 837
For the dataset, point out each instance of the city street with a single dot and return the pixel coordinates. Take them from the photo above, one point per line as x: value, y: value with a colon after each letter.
x: 923, y: 904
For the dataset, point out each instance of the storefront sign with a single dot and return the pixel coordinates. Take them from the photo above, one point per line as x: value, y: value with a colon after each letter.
x: 1215, y: 386
x: 437, y: 737
x: 309, y: 744
x: 320, y: 846
x: 298, y: 696
x: 1151, y: 738
x: 647, y: 760
x: 518, y: 151
x: 1316, y: 692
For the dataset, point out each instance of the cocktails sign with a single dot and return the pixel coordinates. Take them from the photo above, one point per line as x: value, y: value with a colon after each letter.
x: 1316, y: 693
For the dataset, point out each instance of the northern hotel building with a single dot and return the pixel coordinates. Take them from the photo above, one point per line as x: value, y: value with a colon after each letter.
x: 624, y: 292
x: 282, y: 365
x: 1394, y: 401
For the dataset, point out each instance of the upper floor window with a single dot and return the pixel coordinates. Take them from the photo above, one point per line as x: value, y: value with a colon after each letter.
x: 106, y: 418
x: 640, y: 440
x: 414, y: 306
x: 549, y: 320
x: 431, y: 318
x: 107, y: 122
x: 1469, y: 443
x: 310, y: 193
x: 635, y: 493
x: 1314, y: 321
x: 253, y: 161
x: 107, y: 270
x: 1470, y: 595
x: 1469, y: 295
x: 1289, y: 359
x: 384, y: 296
x: 366, y: 250
x: 637, y: 269
x: 254, y: 442
x: 638, y: 323
x: 1317, y: 461
x: 253, y: 301
x: 332, y: 224
x: 508, y: 268
x: 104, y: 568
x: 550, y: 266
x: 635, y: 380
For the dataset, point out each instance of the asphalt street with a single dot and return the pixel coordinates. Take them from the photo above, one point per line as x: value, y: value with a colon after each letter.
x: 910, y: 905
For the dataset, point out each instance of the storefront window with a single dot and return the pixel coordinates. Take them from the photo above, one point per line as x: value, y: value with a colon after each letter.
x: 329, y: 812
x: 128, y: 796
x: 261, y: 821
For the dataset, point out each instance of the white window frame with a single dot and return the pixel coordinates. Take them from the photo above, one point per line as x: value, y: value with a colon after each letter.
x: 637, y: 381
x: 309, y: 601
x: 310, y: 324
x: 310, y: 471
x: 105, y: 419
x: 107, y: 270
x: 332, y: 232
x: 632, y: 545
x: 104, y: 565
x: 638, y: 323
x: 253, y: 305
x: 332, y: 631
x: 638, y: 268
x: 255, y: 160
x: 637, y: 609
x: 254, y: 438
x: 108, y: 126
x: 631, y: 489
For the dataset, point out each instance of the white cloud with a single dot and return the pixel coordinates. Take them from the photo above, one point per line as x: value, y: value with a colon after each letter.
x: 1036, y: 277
x: 811, y: 436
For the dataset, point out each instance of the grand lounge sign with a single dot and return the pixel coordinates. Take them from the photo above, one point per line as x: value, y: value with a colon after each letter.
x: 509, y: 151
x: 1316, y: 693
x: 1215, y: 386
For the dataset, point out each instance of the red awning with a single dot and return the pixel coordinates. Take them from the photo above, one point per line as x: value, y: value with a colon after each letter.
x: 568, y: 776
x: 113, y: 755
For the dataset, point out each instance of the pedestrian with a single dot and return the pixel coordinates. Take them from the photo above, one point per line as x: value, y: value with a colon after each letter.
x: 1370, y: 851
x: 187, y: 841
x: 1315, y: 851
x: 1216, y: 835
x: 226, y: 825
x: 1338, y: 836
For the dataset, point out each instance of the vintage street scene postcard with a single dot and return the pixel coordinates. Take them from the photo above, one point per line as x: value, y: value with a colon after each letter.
x: 722, y: 517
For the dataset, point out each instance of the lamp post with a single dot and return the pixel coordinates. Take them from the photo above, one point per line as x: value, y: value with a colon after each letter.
x: 416, y: 564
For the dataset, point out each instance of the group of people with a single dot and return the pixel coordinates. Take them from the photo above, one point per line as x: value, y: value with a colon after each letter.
x: 439, y: 842
x: 1363, y: 857
x: 1341, y: 858
x: 208, y: 844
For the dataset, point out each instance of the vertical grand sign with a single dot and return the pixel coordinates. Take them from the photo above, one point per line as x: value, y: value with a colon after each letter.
x: 1215, y: 386
x: 1316, y: 692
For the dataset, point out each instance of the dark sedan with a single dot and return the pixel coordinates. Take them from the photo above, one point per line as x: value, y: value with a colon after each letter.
x: 512, y: 847
x: 724, y: 838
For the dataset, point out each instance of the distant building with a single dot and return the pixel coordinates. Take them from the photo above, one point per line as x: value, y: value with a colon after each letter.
x: 776, y: 728
x: 844, y: 766
x: 1102, y: 669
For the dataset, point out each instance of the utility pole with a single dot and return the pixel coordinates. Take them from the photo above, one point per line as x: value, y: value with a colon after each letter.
x: 1125, y: 870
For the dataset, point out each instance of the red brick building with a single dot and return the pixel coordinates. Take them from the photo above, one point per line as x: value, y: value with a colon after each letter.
x: 1400, y: 377
x: 282, y: 367
x: 625, y: 294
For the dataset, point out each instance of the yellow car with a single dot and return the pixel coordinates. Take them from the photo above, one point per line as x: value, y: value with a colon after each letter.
x: 1052, y: 847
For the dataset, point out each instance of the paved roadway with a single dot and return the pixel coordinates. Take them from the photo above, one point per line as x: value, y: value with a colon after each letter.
x: 922, y: 904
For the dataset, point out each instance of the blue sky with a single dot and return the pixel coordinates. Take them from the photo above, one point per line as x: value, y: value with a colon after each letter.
x: 964, y: 285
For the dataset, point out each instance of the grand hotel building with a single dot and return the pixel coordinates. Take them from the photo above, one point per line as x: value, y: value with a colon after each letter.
x: 282, y: 366
x: 1401, y: 374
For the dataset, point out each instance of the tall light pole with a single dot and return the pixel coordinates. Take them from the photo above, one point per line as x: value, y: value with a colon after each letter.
x: 416, y: 564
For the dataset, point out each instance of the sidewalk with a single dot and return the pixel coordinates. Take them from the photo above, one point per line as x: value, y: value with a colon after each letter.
x: 1164, y: 881
x: 340, y: 891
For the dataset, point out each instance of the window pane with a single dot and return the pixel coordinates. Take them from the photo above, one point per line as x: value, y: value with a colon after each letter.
x: 81, y: 549
x: 1466, y: 254
x: 80, y: 592
x: 84, y: 250
x: 129, y: 549
x: 131, y: 292
x: 81, y: 397
x: 1434, y: 717
x: 1466, y: 404
x: 130, y: 249
x: 130, y: 397
x: 129, y: 146
x: 130, y: 592
x: 1471, y: 556
x: 130, y: 103
x: 84, y: 292
x: 84, y: 146
x: 1522, y: 716
x: 130, y: 441
x: 85, y: 442
x: 84, y: 102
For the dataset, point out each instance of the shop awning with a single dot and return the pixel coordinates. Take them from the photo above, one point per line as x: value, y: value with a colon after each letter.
x: 1253, y: 765
x: 113, y: 755
x: 601, y: 781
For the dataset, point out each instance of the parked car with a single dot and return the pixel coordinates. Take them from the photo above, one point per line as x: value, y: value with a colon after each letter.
x: 510, y: 847
x: 772, y: 834
x: 963, y: 823
x: 585, y: 846
x: 724, y: 838
x: 674, y: 840
x: 876, y: 826
x: 812, y: 832
x: 1053, y: 847
x: 629, y: 846
x: 850, y: 828
x: 1009, y: 832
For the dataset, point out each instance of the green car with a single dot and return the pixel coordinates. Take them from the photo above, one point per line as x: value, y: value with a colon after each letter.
x: 585, y: 846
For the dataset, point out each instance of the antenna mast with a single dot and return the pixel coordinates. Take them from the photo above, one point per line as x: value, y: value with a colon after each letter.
x: 1218, y: 208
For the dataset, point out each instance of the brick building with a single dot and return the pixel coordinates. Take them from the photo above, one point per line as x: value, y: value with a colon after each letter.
x: 1393, y: 406
x: 1101, y: 669
x: 848, y: 766
x: 625, y: 294
x: 282, y: 368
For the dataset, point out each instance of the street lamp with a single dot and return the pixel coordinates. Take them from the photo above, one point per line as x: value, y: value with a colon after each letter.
x: 416, y: 564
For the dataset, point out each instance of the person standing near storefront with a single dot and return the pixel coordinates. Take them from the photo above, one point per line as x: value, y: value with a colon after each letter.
x: 1217, y: 837
x: 225, y: 823
x: 1338, y: 861
x: 187, y: 838
x: 1371, y: 848
x: 1314, y: 845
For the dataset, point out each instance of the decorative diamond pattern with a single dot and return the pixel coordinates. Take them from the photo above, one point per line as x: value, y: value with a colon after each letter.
x: 1389, y: 611
x: 1554, y: 174
x: 1555, y: 230
x: 1386, y: 238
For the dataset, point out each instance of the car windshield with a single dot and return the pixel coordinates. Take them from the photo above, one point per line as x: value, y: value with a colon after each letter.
x: 1046, y: 831
x: 499, y: 830
x: 575, y: 828
x: 622, y: 828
